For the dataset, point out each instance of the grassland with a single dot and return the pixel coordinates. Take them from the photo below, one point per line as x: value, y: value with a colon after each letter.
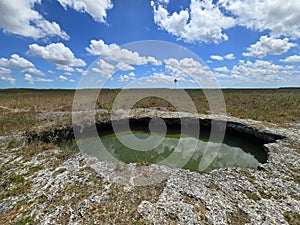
x: 21, y: 109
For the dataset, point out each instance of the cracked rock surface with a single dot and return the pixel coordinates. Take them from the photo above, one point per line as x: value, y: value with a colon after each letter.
x: 55, y: 187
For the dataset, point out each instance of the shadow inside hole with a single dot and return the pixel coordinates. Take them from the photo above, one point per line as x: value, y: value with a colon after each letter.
x: 240, y: 148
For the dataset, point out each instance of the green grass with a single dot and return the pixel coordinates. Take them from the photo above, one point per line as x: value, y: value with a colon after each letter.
x: 292, y: 218
x: 252, y: 195
x: 24, y: 220
x: 16, y: 179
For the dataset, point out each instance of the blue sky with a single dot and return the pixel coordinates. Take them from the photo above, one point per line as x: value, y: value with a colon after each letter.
x: 237, y: 43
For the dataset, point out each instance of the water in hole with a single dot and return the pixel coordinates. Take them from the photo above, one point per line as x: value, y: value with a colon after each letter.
x: 244, y: 154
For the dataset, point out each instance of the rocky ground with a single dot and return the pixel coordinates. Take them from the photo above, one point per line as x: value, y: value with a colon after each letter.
x: 42, y: 184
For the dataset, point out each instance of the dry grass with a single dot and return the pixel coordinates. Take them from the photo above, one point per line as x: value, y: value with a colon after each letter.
x: 122, y: 205
x: 237, y: 100
x: 277, y: 106
x: 271, y: 105
x: 20, y: 109
x: 199, y: 208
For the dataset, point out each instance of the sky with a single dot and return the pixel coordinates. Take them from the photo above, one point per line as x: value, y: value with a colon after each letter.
x: 142, y: 43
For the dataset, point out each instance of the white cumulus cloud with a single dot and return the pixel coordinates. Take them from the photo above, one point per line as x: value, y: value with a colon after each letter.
x: 206, y: 20
x: 56, y: 53
x: 217, y: 57
x: 222, y: 69
x: 83, y: 72
x: 5, y: 71
x: 64, y: 68
x: 124, y: 66
x: 261, y: 70
x: 16, y: 61
x: 62, y: 78
x: 186, y: 67
x: 104, y: 68
x: 259, y: 73
x: 269, y: 46
x: 164, y: 1
x: 10, y: 79
x: 96, y: 8
x: 30, y: 79
x: 99, y: 47
x: 202, y: 22
x: 229, y: 56
x: 161, y: 79
x: 33, y: 70
x: 281, y: 17
x: 120, y: 55
x: 127, y: 77
x: 291, y: 59
x: 19, y: 17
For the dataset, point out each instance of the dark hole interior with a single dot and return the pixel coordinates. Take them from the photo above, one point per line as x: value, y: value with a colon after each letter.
x: 248, y: 142
x: 242, y: 146
x: 239, y: 148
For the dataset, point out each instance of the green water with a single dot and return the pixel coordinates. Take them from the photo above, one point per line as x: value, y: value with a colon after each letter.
x: 196, y: 154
